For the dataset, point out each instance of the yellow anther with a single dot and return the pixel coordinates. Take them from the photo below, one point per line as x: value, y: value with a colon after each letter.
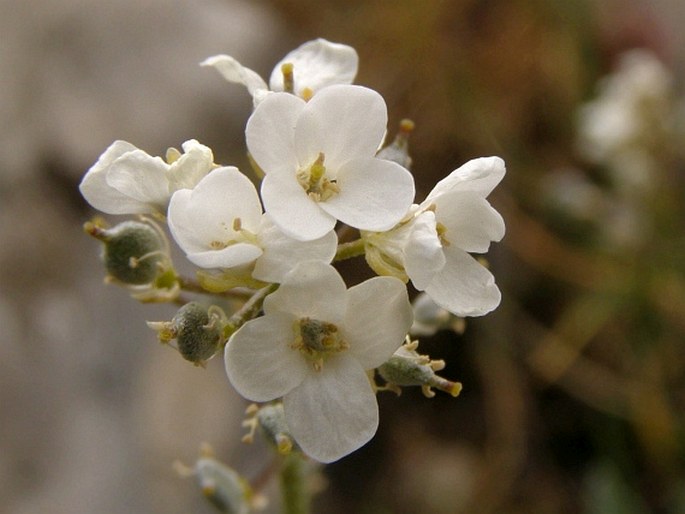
x: 306, y: 94
x: 317, y: 170
x: 172, y: 155
x: 288, y: 77
x: 406, y: 126
x: 237, y: 224
x: 442, y: 230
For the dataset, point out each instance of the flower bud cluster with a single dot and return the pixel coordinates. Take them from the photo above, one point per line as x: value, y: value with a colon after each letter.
x: 302, y: 338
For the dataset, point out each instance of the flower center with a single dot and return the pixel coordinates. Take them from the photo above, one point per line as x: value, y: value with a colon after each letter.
x: 317, y: 340
x: 314, y: 181
x: 241, y: 235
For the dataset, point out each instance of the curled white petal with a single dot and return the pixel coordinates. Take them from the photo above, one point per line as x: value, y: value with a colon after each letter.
x: 191, y: 167
x: 423, y: 252
x: 470, y: 221
x: 317, y: 64
x: 100, y: 194
x: 235, y: 72
x: 464, y: 287
x: 142, y: 178
x: 478, y: 175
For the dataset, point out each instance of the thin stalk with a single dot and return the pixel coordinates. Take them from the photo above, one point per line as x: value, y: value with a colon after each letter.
x: 296, y: 499
x: 248, y: 311
x: 349, y: 250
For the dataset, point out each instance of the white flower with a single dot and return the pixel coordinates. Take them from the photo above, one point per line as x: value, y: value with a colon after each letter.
x: 633, y: 107
x: 320, y: 164
x: 313, y: 346
x: 219, y: 224
x: 316, y: 64
x: 126, y: 180
x: 433, y: 243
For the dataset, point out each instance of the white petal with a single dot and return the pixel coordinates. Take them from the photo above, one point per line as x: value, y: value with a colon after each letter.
x: 312, y: 289
x: 464, y: 287
x: 270, y: 133
x: 235, y: 72
x: 295, y: 213
x: 334, y: 412
x: 259, y: 361
x: 100, y: 194
x: 342, y: 122
x: 377, y: 320
x: 478, y: 175
x: 235, y: 255
x: 374, y: 194
x: 317, y: 64
x: 470, y: 220
x: 191, y: 167
x: 141, y: 177
x: 423, y: 253
x: 282, y: 253
x: 201, y: 217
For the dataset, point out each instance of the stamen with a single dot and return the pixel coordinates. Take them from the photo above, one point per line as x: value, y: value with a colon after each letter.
x: 288, y: 77
x: 307, y: 94
x: 313, y: 180
x: 317, y: 340
x: 442, y: 230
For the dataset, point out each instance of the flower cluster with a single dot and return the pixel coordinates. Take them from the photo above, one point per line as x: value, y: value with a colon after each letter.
x: 302, y: 336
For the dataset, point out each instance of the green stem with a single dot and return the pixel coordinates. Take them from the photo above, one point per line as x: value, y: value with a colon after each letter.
x: 248, y: 311
x: 293, y: 485
x: 192, y: 286
x: 349, y: 250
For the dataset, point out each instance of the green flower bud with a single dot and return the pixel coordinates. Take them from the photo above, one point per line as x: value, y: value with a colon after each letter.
x: 133, y: 251
x: 222, y: 486
x: 407, y: 368
x: 398, y: 150
x: 270, y: 419
x: 197, y: 332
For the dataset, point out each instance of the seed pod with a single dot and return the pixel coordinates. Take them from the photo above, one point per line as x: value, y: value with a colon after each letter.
x: 132, y: 251
x: 197, y: 332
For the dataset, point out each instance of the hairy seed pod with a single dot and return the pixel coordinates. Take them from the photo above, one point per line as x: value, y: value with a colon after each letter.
x: 132, y: 253
x: 197, y: 332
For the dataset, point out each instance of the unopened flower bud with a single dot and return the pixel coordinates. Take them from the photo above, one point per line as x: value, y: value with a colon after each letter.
x: 429, y: 318
x: 133, y: 251
x: 196, y: 329
x: 270, y: 419
x: 398, y: 150
x: 407, y: 368
x: 221, y: 485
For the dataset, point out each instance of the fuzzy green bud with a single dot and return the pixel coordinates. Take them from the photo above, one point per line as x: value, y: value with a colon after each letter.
x: 407, y: 368
x: 224, y: 487
x: 197, y: 332
x: 271, y: 420
x: 133, y: 251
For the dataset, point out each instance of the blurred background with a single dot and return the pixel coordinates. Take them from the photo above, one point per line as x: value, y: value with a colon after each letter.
x: 574, y: 389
